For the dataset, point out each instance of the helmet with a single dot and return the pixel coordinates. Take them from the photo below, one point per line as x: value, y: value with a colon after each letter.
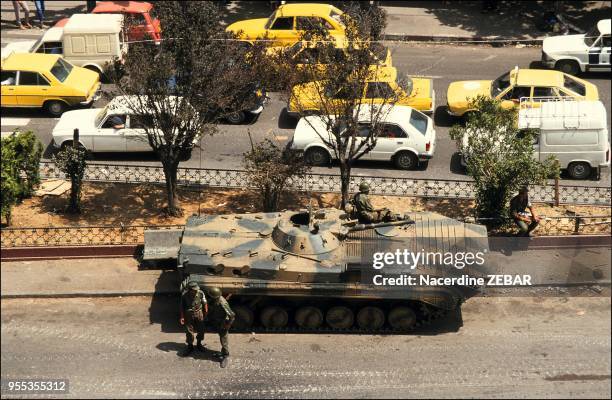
x: 214, y: 292
x: 193, y: 285
x: 364, y: 187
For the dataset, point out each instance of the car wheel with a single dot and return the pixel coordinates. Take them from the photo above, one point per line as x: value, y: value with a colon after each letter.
x: 579, y: 170
x: 405, y: 160
x: 236, y: 118
x: 568, y: 66
x: 55, y: 108
x: 317, y: 156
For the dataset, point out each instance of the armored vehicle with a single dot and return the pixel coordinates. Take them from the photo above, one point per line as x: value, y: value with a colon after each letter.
x: 313, y: 270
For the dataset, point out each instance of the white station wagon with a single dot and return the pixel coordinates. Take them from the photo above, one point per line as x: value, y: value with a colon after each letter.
x: 408, y: 138
x: 114, y: 128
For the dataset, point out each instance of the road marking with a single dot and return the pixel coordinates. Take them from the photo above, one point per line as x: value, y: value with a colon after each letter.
x: 14, y: 121
x: 489, y: 57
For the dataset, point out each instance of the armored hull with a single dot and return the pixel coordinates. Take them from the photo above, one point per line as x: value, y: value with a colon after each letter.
x: 314, y: 270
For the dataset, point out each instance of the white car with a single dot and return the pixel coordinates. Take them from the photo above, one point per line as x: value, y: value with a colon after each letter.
x: 407, y: 139
x: 99, y: 131
x: 573, y: 54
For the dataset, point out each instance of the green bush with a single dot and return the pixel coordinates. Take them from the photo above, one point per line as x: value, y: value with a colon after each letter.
x: 71, y: 161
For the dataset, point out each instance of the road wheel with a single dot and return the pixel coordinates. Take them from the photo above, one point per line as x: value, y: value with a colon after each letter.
x: 309, y: 317
x: 568, y: 66
x: 55, y: 107
x: 236, y: 118
x: 244, y: 318
x: 317, y: 156
x: 274, y: 317
x: 402, y: 318
x: 370, y: 318
x: 340, y: 317
x: 579, y: 170
x: 406, y: 160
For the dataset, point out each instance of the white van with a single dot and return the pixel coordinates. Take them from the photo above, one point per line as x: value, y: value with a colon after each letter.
x: 86, y: 40
x: 574, y: 132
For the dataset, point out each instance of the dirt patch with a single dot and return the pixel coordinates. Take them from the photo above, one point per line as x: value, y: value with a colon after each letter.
x: 141, y: 204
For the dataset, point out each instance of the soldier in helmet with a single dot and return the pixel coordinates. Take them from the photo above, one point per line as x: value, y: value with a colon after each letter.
x: 193, y: 311
x: 220, y: 317
x: 366, y: 213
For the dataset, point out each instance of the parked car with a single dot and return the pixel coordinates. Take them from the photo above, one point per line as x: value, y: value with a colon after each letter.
x: 573, y: 54
x: 411, y: 91
x: 85, y: 40
x: 286, y: 24
x: 140, y: 15
x: 48, y: 81
x: 100, y: 130
x: 512, y: 86
x: 408, y: 137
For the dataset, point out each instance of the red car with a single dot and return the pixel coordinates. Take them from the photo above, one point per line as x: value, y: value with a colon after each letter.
x: 140, y: 14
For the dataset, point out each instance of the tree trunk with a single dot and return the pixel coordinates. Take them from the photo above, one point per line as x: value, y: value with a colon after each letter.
x: 345, y: 181
x: 170, y: 173
x: 75, y: 189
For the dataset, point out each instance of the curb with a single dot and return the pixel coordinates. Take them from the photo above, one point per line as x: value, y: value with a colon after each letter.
x: 86, y: 294
x: 494, y: 41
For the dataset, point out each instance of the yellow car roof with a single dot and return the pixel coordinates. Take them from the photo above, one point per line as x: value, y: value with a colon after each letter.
x: 537, y: 77
x: 306, y: 9
x: 30, y: 61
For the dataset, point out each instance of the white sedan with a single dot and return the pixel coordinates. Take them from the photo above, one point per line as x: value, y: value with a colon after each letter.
x: 407, y: 138
x: 114, y: 128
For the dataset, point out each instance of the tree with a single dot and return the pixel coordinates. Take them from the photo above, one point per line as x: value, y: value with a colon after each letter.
x: 21, y: 154
x: 270, y: 170
x: 499, y: 156
x: 71, y: 161
x: 183, y: 87
x: 338, y: 88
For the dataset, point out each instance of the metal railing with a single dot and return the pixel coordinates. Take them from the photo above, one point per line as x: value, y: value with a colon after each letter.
x: 396, y: 186
x: 134, y: 234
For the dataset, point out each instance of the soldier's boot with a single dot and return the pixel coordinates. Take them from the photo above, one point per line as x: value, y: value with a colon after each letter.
x: 188, y: 350
x: 200, y: 346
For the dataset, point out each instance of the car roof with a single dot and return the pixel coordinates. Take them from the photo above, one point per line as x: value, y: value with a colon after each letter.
x: 122, y: 104
x: 122, y: 6
x: 30, y: 61
x: 604, y: 26
x: 305, y: 9
x: 537, y: 77
x: 564, y: 114
x: 94, y: 23
x: 54, y: 34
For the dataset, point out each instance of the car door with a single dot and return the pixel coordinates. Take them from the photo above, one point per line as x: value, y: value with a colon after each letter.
x: 9, y: 86
x: 109, y: 139
x: 512, y: 96
x: 389, y: 139
x: 303, y: 24
x: 282, y: 32
x: 604, y: 57
x: 33, y: 89
x: 135, y: 135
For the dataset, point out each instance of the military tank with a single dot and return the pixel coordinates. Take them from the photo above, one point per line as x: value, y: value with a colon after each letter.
x: 312, y: 270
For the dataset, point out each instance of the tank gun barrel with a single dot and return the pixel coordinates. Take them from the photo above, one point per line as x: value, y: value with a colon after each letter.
x: 363, y: 227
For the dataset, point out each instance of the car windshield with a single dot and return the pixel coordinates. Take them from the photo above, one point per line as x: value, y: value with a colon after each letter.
x: 270, y: 20
x: 101, y: 115
x: 61, y: 69
x: 500, y: 84
x: 405, y: 82
x: 591, y: 36
x: 573, y: 85
x: 419, y: 121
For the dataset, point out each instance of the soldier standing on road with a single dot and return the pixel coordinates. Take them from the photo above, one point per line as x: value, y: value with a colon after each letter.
x: 366, y: 213
x: 220, y: 317
x: 518, y: 206
x: 193, y: 311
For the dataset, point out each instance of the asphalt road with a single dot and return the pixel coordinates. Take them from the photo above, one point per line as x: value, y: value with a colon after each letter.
x: 128, y: 347
x: 442, y: 62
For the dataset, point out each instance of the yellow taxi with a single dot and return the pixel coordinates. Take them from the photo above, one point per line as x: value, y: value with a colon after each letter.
x: 38, y: 80
x: 415, y: 92
x: 519, y: 84
x: 286, y: 25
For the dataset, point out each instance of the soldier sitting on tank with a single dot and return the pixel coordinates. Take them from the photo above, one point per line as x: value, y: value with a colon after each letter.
x: 366, y: 213
x: 193, y: 310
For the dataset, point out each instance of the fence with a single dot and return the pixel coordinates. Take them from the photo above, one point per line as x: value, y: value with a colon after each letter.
x: 134, y: 234
x: 327, y: 183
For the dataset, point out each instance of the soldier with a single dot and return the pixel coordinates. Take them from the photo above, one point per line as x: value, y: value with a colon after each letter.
x: 366, y: 213
x: 193, y: 311
x: 518, y: 206
x: 220, y: 317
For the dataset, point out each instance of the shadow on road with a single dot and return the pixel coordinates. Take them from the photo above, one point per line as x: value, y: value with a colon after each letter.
x: 179, y: 349
x: 442, y: 118
x: 285, y: 121
x: 455, y: 165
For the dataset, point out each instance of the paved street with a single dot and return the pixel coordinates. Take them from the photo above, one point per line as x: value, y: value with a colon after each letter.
x: 127, y: 347
x: 444, y: 63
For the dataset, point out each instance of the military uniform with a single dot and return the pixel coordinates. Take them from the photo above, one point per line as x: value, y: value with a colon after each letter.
x: 220, y: 317
x: 365, y: 211
x: 193, y: 303
x: 518, y: 206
